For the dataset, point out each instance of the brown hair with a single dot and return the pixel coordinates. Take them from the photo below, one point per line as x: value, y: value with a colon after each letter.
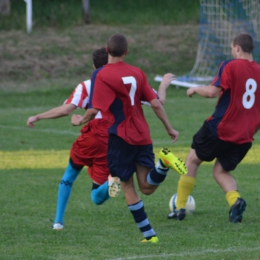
x: 245, y: 41
x: 100, y: 57
x: 117, y: 45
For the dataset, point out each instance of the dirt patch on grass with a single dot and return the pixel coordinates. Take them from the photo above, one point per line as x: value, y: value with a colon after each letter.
x: 61, y: 57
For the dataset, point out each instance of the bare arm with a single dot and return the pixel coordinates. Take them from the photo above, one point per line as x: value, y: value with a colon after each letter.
x: 160, y: 113
x: 63, y: 110
x: 88, y: 116
x: 207, y: 91
x: 166, y: 81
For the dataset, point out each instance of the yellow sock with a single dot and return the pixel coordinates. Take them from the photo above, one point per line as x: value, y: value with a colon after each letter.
x: 185, y: 186
x: 232, y: 197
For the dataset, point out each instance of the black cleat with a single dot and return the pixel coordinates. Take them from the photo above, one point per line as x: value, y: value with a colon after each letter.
x: 237, y: 210
x: 177, y: 214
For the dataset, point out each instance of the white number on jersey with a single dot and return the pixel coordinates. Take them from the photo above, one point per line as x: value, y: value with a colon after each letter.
x: 249, y: 96
x: 131, y: 80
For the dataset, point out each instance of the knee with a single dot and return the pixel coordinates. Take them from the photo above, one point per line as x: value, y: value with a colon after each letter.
x: 146, y: 191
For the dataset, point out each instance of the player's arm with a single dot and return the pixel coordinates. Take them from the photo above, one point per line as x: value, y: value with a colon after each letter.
x: 165, y: 83
x: 88, y: 116
x: 160, y: 113
x: 63, y: 110
x: 209, y: 91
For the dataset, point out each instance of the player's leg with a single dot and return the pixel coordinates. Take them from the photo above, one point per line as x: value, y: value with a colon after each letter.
x: 136, y: 207
x: 121, y: 162
x: 186, y: 182
x: 228, y: 184
x: 231, y: 156
x: 149, y: 176
x: 64, y: 191
x: 101, y: 177
x: 186, y: 185
x: 99, y: 193
x: 203, y: 148
x: 99, y: 174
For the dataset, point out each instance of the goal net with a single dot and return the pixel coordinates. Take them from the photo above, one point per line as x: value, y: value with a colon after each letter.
x: 220, y: 21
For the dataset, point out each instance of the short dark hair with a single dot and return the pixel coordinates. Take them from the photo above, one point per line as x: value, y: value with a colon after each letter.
x: 117, y: 45
x: 245, y: 41
x: 100, y: 57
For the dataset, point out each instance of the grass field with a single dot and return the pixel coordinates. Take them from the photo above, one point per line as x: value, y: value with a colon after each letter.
x: 38, y: 72
x: 33, y: 161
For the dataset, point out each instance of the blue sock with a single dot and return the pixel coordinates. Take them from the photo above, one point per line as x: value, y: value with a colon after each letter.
x: 64, y: 191
x: 100, y: 194
x: 141, y: 219
x: 157, y: 175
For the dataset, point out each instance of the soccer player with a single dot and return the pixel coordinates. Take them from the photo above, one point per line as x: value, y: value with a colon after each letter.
x: 90, y: 148
x: 227, y: 134
x: 117, y: 89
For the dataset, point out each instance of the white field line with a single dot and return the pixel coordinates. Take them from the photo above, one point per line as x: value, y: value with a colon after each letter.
x: 67, y: 132
x: 51, y: 131
x: 194, y: 253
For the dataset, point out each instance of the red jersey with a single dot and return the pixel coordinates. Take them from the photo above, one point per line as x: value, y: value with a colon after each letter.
x: 80, y: 98
x: 237, y: 114
x: 118, y: 89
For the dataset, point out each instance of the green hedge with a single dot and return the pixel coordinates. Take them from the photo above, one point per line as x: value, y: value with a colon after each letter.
x: 65, y: 13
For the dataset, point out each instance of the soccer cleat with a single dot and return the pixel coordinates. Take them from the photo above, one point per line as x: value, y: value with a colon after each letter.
x: 151, y: 240
x: 177, y: 214
x: 57, y: 226
x: 114, y: 186
x: 237, y: 210
x: 171, y: 161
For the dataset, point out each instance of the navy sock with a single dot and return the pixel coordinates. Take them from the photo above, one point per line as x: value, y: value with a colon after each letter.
x: 141, y: 219
x: 156, y: 176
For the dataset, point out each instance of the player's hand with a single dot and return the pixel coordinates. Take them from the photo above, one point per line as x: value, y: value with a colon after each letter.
x: 167, y: 79
x: 76, y: 120
x: 190, y: 92
x: 174, y: 135
x: 31, y: 120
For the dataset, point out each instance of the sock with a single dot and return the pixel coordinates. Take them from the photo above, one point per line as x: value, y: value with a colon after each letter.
x: 232, y: 197
x: 99, y: 193
x: 141, y: 220
x: 157, y: 175
x: 64, y: 191
x: 185, y: 186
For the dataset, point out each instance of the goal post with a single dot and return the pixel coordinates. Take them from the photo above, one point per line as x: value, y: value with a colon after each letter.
x: 220, y: 21
x: 29, y: 15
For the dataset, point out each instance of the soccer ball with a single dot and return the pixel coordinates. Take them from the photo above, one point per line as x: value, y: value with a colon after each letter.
x: 190, y: 205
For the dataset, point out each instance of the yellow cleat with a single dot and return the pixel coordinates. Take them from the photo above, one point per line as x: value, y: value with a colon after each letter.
x: 171, y: 161
x: 151, y: 240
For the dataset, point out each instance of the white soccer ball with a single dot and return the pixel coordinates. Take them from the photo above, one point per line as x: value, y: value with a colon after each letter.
x: 190, y: 205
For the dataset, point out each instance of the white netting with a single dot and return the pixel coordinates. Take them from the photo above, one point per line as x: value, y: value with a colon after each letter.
x: 220, y: 21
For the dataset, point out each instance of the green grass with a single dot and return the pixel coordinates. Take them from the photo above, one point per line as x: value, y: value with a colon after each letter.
x: 62, y: 14
x: 34, y: 161
x: 39, y: 72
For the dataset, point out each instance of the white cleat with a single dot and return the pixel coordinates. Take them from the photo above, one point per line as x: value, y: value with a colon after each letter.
x: 114, y: 186
x: 57, y: 226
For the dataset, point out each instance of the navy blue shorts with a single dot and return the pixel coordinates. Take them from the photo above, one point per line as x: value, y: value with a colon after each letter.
x: 122, y: 157
x: 208, y: 147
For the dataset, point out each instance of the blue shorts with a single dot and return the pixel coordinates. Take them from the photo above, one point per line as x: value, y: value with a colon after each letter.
x: 122, y: 157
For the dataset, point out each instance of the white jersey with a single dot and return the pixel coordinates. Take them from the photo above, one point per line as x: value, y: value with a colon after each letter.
x: 80, y: 96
